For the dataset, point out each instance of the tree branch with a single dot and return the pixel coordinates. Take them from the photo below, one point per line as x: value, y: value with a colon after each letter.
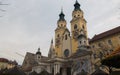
x: 2, y: 10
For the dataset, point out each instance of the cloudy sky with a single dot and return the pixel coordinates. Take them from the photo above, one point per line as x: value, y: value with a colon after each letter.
x: 29, y: 24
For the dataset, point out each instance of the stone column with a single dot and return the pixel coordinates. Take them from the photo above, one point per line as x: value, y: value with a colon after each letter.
x: 54, y: 69
x: 49, y: 69
x: 58, y: 66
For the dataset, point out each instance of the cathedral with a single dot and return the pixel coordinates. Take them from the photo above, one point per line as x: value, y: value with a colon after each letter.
x: 71, y: 53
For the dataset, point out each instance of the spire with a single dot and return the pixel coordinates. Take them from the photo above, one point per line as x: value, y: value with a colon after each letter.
x: 77, y: 5
x: 76, y: 1
x: 61, y: 15
x: 61, y: 9
x: 39, y: 49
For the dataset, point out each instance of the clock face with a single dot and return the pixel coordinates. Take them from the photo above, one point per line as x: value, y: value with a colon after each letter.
x: 66, y: 52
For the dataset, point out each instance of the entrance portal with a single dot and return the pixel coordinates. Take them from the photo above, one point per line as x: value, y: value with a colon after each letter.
x: 68, y: 71
x: 61, y: 71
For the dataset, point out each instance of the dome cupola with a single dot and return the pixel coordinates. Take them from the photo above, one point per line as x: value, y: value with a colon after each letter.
x: 77, y: 6
x: 38, y: 52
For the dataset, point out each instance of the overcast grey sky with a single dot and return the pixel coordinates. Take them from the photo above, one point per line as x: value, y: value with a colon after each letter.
x: 29, y: 24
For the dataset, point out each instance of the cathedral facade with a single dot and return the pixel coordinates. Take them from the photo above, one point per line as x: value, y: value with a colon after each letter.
x: 71, y: 53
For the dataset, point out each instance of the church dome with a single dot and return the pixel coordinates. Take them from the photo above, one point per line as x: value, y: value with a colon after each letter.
x: 38, y: 52
x: 77, y: 6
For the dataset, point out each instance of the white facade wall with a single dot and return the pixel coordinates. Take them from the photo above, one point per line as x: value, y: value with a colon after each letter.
x: 66, y: 44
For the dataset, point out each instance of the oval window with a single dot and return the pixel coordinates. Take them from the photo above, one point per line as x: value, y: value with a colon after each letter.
x: 66, y: 52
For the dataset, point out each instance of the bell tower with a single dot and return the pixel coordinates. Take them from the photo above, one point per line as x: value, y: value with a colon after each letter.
x: 61, y: 27
x: 78, y: 26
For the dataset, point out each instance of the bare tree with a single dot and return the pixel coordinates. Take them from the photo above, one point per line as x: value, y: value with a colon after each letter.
x: 1, y: 4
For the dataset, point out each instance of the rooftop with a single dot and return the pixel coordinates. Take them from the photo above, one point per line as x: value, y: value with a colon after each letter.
x: 105, y: 34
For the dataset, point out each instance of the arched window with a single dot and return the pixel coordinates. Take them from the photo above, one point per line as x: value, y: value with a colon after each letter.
x: 61, y: 25
x: 84, y: 42
x: 75, y: 26
x: 58, y: 35
x: 80, y: 42
x: 66, y: 37
x: 66, y: 52
x: 74, y: 16
x: 83, y: 27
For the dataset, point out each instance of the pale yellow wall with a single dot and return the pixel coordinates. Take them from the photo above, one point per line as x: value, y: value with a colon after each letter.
x: 61, y: 23
x: 61, y: 26
x: 74, y: 45
x: 58, y: 48
x: 104, y: 41
x: 59, y: 31
x: 3, y: 65
x: 106, y: 46
x: 79, y: 22
x: 10, y: 66
x: 77, y: 13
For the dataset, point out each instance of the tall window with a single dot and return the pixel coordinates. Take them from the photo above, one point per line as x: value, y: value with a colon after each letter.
x: 75, y: 26
x: 80, y: 42
x: 61, y: 25
x: 93, y: 46
x: 58, y: 35
x: 66, y: 37
x: 84, y: 42
x: 101, y: 55
x: 110, y: 42
x: 99, y: 44
x: 83, y: 27
x: 74, y: 16
x: 94, y: 56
